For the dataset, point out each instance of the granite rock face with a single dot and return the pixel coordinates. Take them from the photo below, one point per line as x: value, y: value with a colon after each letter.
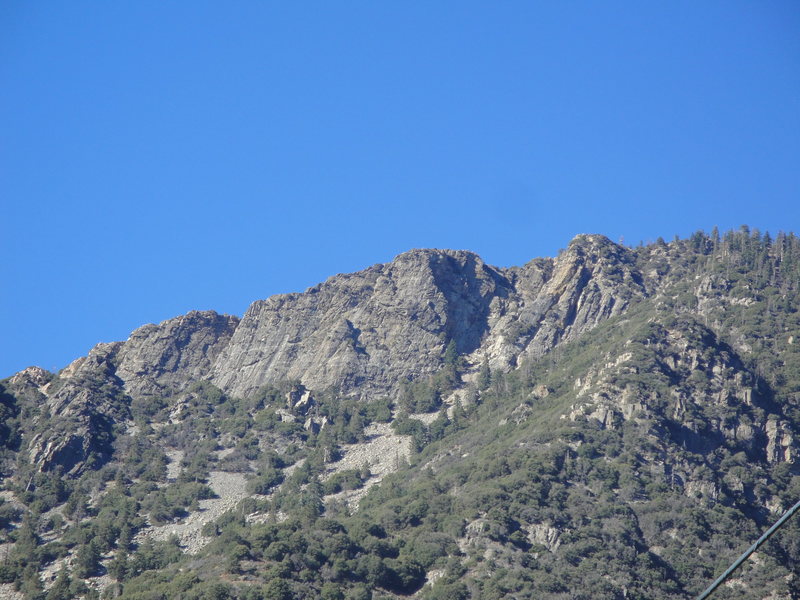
x: 557, y: 300
x: 367, y: 331
x: 160, y: 360
x: 363, y: 334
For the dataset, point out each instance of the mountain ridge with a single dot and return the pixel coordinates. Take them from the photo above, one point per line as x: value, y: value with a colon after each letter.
x: 648, y: 390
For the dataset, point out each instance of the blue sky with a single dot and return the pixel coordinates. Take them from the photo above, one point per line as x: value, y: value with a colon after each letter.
x: 159, y: 157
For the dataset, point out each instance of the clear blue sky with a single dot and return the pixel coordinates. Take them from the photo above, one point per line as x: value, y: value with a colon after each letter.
x: 158, y: 157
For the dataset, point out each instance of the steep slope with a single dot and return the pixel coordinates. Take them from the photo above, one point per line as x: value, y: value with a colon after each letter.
x: 75, y: 417
x: 365, y: 334
x: 634, y: 462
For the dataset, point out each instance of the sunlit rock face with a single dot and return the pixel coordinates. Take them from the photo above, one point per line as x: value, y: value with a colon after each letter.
x: 368, y: 331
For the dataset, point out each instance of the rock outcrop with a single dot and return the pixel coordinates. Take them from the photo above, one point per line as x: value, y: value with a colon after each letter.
x: 372, y: 330
x: 366, y: 331
x: 690, y: 389
x: 557, y: 300
x: 76, y: 425
x: 161, y: 360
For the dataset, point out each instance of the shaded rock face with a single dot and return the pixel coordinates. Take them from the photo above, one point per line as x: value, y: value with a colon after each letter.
x: 781, y: 444
x: 160, y: 360
x: 76, y: 428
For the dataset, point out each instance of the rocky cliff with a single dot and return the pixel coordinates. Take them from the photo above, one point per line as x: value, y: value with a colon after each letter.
x: 161, y: 360
x: 365, y: 333
x: 368, y: 333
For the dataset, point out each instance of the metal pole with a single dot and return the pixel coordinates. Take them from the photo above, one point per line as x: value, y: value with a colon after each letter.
x: 750, y: 550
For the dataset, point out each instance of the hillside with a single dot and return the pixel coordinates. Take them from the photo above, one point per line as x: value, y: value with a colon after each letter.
x: 610, y: 423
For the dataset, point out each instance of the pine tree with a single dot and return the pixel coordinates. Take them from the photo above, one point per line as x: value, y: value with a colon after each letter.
x: 484, y: 376
x: 61, y: 587
x: 87, y: 561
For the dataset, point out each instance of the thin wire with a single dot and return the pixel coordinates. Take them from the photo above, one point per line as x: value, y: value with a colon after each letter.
x: 750, y: 550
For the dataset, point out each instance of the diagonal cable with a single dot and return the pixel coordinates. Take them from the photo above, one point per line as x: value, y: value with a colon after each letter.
x: 749, y: 551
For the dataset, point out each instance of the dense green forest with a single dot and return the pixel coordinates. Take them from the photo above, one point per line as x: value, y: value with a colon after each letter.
x: 634, y: 461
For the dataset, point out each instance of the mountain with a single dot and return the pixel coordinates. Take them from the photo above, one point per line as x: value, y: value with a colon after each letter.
x: 612, y: 423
